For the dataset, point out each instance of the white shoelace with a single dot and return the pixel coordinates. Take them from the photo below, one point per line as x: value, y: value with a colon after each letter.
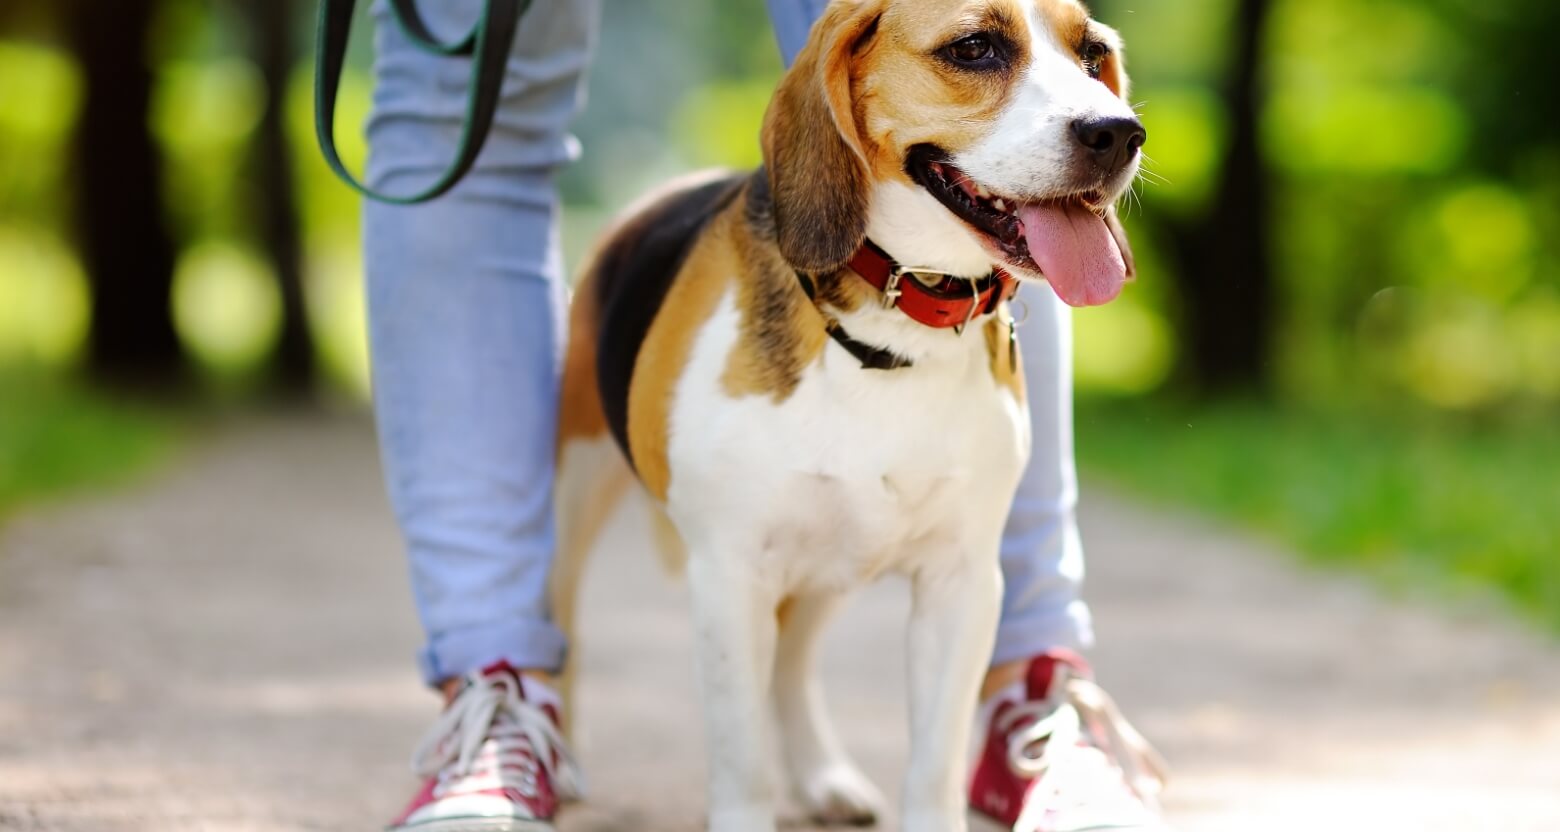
x: 491, y: 708
x: 1082, y: 718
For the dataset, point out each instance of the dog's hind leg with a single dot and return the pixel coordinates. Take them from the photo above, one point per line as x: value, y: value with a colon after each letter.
x: 592, y: 478
x: 592, y: 475
x: 824, y: 778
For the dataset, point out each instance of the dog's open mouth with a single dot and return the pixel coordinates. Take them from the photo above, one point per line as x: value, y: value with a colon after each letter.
x: 1065, y: 239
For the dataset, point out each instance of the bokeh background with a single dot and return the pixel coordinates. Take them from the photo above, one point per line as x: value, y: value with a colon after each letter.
x: 1345, y: 334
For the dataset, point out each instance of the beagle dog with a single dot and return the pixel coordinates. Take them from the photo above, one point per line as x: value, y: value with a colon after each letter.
x: 811, y: 368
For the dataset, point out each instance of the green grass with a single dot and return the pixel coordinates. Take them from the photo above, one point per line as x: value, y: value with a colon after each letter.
x: 1416, y: 503
x: 56, y: 439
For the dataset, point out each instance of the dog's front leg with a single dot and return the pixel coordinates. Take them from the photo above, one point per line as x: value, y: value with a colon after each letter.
x: 734, y: 629
x: 952, y: 630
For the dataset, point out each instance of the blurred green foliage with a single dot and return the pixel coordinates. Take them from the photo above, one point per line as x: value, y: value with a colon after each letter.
x: 56, y: 437
x: 1413, y: 269
x: 1406, y: 499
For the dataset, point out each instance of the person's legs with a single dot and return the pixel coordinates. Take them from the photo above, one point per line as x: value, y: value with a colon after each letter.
x: 466, y: 304
x: 1042, y: 556
x: 466, y: 318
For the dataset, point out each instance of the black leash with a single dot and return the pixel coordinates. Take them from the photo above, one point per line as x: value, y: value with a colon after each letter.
x: 487, y: 44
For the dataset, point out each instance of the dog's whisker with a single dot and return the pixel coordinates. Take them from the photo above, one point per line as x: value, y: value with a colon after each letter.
x: 1148, y: 174
x: 1151, y: 178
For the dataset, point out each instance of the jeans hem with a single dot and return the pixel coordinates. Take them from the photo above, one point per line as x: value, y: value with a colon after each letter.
x: 1029, y: 637
x: 532, y: 645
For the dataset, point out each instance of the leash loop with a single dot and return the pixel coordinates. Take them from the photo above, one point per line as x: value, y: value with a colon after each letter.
x: 487, y: 45
x: 411, y: 23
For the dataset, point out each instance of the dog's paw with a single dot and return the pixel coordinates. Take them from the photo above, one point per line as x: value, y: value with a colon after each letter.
x: 840, y: 795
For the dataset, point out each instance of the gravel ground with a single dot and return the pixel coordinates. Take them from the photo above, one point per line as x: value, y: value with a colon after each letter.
x: 229, y: 648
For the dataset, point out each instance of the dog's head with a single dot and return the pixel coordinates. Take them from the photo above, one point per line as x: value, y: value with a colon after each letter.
x: 1010, y: 114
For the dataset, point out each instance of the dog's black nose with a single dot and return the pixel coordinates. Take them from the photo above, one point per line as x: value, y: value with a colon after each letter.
x: 1112, y: 141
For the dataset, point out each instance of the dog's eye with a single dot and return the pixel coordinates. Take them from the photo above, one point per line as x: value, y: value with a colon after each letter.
x: 975, y: 49
x: 1094, y: 54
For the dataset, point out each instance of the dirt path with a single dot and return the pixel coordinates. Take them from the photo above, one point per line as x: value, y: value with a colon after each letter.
x: 230, y: 649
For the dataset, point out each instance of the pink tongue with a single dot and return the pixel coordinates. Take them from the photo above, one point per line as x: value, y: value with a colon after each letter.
x: 1076, y: 252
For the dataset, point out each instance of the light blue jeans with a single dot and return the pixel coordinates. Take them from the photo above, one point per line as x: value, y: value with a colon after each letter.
x: 466, y: 306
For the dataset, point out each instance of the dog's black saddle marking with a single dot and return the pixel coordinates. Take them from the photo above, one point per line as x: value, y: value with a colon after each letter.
x: 633, y: 273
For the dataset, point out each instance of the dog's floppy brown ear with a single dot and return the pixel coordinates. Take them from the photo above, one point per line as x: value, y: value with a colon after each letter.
x: 1113, y: 222
x: 813, y: 151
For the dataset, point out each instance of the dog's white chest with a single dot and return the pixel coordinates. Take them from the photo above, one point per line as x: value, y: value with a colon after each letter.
x: 854, y: 474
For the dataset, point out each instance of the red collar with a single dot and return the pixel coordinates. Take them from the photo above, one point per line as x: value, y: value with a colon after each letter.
x: 951, y: 303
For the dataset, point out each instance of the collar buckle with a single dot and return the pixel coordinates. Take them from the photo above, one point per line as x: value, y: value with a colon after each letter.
x: 896, y: 275
x: 933, y: 303
x: 891, y: 290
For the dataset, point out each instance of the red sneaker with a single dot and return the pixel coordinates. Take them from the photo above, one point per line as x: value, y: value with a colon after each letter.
x: 1059, y: 757
x: 495, y: 760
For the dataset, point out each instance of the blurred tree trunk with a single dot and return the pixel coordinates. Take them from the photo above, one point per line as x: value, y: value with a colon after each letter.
x: 125, y: 243
x: 293, y: 367
x: 1224, y: 266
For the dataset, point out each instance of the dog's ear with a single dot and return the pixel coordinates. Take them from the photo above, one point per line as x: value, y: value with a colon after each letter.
x: 1113, y: 222
x: 813, y: 152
